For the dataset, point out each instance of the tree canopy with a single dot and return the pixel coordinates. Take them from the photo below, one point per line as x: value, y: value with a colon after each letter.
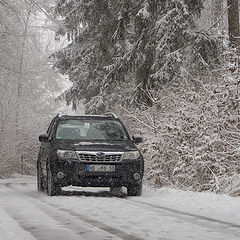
x: 122, y: 45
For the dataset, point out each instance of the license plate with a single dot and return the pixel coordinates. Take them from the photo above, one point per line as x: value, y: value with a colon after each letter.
x: 100, y: 168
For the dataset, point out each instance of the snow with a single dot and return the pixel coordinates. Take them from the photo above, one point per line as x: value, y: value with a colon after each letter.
x: 9, y: 229
x: 95, y: 213
x: 144, y: 12
x: 207, y: 204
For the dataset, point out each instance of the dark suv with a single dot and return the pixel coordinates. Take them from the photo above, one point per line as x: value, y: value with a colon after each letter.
x: 89, y: 151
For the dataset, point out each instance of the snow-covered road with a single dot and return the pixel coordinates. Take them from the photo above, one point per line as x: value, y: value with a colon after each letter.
x: 85, y: 213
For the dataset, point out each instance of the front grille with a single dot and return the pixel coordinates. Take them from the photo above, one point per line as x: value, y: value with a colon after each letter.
x: 100, y: 157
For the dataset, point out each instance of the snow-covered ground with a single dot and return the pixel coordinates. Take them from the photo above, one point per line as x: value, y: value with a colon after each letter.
x: 95, y: 213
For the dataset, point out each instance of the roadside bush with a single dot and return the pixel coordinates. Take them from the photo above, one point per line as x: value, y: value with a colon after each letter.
x: 192, y: 134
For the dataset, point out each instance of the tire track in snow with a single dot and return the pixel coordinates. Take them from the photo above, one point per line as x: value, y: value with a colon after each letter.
x: 67, y: 227
x: 200, y: 220
x: 50, y: 210
x: 41, y: 232
x: 171, y: 210
x: 36, y: 222
x: 175, y: 211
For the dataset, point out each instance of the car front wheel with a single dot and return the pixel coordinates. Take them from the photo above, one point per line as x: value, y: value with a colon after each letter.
x: 115, y: 190
x: 52, y: 188
x: 134, y: 190
x: 40, y: 186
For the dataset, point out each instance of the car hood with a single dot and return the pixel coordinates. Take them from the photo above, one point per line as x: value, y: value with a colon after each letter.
x: 96, y: 146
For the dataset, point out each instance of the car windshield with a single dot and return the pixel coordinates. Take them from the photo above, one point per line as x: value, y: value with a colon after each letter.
x: 91, y: 130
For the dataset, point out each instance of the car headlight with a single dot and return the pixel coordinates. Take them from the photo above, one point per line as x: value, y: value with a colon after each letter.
x: 131, y: 155
x: 67, y: 154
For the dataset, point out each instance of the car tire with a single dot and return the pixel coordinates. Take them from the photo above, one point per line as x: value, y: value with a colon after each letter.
x: 52, y: 188
x: 134, y: 190
x: 40, y: 185
x: 115, y: 190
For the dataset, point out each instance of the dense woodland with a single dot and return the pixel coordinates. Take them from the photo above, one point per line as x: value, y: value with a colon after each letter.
x: 28, y: 86
x: 169, y: 69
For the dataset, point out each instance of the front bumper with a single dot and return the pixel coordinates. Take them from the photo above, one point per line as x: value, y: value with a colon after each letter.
x: 76, y: 174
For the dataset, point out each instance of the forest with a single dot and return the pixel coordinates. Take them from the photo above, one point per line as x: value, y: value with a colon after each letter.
x: 169, y: 69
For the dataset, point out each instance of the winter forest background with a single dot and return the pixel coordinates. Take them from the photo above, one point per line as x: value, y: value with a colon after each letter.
x: 169, y: 69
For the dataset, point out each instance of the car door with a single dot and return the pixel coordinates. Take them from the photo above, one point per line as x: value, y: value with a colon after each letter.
x: 46, y: 148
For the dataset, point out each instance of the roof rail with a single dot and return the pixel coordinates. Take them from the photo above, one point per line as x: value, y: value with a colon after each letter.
x: 109, y: 114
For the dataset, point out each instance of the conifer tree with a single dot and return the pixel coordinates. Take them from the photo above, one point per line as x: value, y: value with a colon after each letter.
x: 135, y: 44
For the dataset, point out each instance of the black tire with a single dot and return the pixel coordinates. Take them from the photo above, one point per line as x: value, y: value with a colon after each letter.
x: 52, y: 188
x: 115, y: 190
x: 40, y: 185
x: 134, y: 190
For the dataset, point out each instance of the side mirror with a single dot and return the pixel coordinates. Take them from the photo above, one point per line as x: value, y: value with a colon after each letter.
x: 43, y: 138
x: 137, y: 139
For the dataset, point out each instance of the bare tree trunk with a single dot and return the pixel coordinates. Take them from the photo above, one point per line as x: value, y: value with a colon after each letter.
x: 233, y: 22
x: 20, y: 104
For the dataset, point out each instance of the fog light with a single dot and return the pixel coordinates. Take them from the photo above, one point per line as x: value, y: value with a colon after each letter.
x: 60, y: 175
x: 137, y: 176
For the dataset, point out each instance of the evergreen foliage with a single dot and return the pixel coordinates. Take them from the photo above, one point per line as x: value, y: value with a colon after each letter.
x: 136, y: 44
